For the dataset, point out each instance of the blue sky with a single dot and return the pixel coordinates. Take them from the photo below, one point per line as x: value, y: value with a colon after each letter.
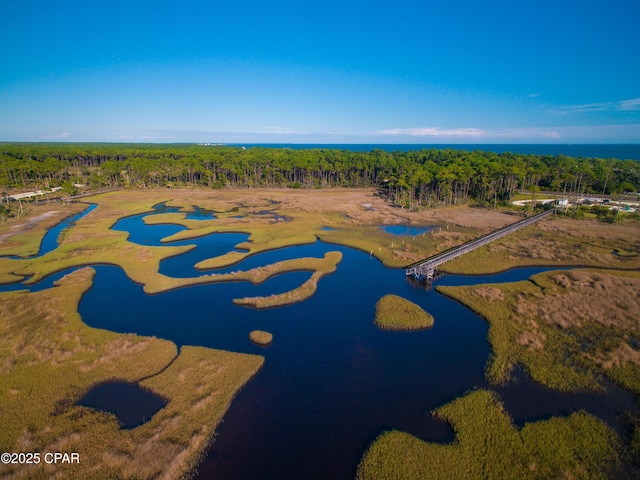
x: 378, y: 71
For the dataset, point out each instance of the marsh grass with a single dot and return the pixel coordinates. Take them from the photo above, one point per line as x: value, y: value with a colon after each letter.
x: 91, y: 240
x: 487, y: 445
x: 566, y: 327
x: 22, y: 237
x: 49, y: 358
x: 397, y: 313
x: 327, y: 265
x: 556, y: 241
x: 261, y: 338
x: 7, y: 277
x: 163, y: 283
x: 308, y: 213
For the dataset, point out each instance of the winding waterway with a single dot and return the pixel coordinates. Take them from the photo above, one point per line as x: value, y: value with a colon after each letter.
x: 331, y: 381
x: 51, y: 238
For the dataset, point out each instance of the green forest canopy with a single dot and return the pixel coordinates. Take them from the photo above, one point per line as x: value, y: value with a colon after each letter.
x: 421, y: 177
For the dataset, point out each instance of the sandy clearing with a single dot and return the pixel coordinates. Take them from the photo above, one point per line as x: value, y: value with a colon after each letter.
x: 28, y: 224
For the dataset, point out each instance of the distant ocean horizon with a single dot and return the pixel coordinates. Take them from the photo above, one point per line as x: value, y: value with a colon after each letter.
x: 619, y: 151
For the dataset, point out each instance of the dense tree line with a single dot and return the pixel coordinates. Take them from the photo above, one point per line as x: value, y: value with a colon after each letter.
x: 428, y: 177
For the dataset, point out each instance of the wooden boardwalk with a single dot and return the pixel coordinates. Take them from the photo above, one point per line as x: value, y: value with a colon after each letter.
x: 426, y: 269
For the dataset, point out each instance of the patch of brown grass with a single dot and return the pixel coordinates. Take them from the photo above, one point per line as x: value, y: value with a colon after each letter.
x: 565, y: 327
x: 261, y: 338
x: 22, y: 236
x: 618, y: 357
x: 587, y: 296
x: 557, y: 241
x: 489, y: 294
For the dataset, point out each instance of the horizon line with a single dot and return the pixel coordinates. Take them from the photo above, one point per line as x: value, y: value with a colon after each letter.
x: 213, y: 143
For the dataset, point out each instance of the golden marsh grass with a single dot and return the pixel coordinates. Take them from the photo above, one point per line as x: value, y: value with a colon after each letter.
x: 557, y: 241
x: 397, y: 313
x: 327, y: 265
x: 49, y: 358
x: 22, y: 236
x: 565, y: 327
x: 487, y: 445
x: 261, y: 338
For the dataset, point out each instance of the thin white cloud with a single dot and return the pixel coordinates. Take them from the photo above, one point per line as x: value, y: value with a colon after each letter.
x: 575, y: 133
x: 551, y: 135
x: 617, y: 133
x: 275, y: 129
x: 59, y: 136
x: 633, y: 104
x: 434, y: 132
x: 629, y: 105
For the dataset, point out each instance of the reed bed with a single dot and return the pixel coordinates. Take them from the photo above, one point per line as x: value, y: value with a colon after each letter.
x: 22, y: 237
x: 557, y: 241
x: 303, y: 292
x: 566, y: 327
x: 162, y: 283
x: 261, y: 338
x: 49, y: 358
x: 397, y: 313
x: 91, y: 240
x: 487, y: 445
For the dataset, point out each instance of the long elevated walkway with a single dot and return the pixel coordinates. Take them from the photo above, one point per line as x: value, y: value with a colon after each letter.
x: 425, y: 269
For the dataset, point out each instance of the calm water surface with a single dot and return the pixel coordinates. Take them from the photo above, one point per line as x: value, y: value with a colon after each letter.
x: 131, y: 404
x: 621, y: 151
x: 406, y: 230
x: 331, y: 381
x: 50, y: 239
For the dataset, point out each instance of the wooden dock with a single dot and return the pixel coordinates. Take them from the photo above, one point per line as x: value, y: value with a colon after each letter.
x: 426, y: 269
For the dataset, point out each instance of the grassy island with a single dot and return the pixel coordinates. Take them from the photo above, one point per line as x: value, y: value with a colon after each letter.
x: 396, y: 313
x: 261, y: 338
x: 304, y: 291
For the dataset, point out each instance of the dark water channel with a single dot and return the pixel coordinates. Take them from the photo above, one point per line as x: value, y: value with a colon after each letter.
x: 331, y: 381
